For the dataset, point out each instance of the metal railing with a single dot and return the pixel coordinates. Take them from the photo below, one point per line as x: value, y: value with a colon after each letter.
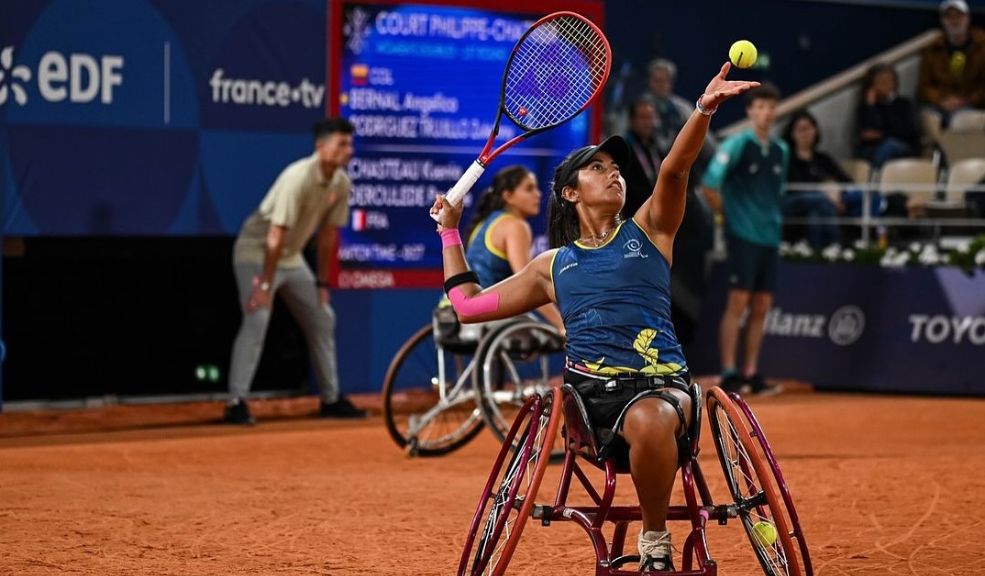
x: 869, y: 222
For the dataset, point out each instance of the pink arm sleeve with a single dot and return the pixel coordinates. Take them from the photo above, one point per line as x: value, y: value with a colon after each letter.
x: 468, y: 306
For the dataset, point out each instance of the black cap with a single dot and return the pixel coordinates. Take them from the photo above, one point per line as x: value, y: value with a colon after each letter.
x: 614, y: 145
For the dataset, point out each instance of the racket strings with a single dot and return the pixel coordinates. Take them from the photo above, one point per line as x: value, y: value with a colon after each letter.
x: 556, y: 71
x: 560, y: 54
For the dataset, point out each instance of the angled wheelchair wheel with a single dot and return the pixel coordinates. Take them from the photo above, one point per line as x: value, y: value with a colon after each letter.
x: 515, y: 361
x: 753, y: 484
x: 757, y: 434
x: 508, y: 496
x: 429, y: 401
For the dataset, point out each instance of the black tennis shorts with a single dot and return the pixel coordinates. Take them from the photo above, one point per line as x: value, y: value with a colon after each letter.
x: 752, y: 267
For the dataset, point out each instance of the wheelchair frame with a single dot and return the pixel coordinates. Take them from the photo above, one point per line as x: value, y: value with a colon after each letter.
x: 467, y: 389
x: 752, y: 475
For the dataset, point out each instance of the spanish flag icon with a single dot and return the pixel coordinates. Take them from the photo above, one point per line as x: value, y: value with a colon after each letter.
x: 359, y: 73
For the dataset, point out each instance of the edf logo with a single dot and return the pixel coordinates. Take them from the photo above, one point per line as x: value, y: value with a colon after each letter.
x: 78, y: 78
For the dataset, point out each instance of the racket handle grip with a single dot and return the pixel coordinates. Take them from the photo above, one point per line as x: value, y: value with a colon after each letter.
x: 462, y: 187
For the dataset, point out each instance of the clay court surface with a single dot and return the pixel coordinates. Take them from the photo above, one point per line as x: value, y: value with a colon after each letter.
x: 884, y: 485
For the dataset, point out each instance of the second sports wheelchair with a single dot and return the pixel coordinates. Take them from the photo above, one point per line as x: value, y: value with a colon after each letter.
x: 448, y: 380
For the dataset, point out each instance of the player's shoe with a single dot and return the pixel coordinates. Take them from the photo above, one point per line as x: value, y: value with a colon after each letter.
x: 735, y: 383
x: 759, y: 387
x: 238, y: 412
x: 341, y: 408
x: 656, y: 553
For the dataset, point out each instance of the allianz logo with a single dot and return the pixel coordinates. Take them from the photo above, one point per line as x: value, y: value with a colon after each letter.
x: 844, y: 327
x: 939, y: 328
x: 78, y: 77
x: 253, y: 92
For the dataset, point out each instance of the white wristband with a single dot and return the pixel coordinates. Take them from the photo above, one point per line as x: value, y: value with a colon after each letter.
x: 704, y: 111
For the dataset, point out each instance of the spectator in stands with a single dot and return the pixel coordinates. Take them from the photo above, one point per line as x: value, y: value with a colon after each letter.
x: 886, y: 121
x: 642, y: 141
x: 808, y: 165
x: 311, y: 193
x: 671, y: 110
x: 952, y: 69
x: 745, y: 180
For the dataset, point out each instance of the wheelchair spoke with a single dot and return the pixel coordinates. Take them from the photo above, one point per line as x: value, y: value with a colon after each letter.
x: 539, y: 443
x: 510, y: 492
x: 430, y: 405
x: 517, y: 362
x: 755, y: 498
x: 740, y: 462
x: 500, y: 505
x: 418, y: 421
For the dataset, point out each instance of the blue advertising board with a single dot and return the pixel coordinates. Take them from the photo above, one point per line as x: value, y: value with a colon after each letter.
x: 865, y: 328
x: 139, y: 117
x: 421, y: 83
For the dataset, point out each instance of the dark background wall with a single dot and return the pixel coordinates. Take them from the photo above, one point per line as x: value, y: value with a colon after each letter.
x: 136, y: 315
x: 805, y: 41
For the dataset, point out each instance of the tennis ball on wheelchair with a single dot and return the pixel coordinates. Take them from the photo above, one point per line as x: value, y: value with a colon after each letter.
x: 764, y: 532
x: 743, y: 53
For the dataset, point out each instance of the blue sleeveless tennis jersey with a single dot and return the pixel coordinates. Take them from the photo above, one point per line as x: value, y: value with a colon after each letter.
x: 488, y: 263
x: 615, y: 300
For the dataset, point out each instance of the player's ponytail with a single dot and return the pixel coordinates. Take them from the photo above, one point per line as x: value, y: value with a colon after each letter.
x: 562, y: 219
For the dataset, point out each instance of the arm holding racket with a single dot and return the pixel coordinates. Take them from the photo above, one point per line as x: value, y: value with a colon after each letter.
x: 465, y: 183
x: 520, y: 293
x: 461, y: 188
x: 461, y: 284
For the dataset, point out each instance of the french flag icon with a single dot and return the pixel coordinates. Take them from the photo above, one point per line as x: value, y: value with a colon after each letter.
x: 358, y: 220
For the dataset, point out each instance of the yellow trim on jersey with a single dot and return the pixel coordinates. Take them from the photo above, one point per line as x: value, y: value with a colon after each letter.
x: 474, y: 233
x: 656, y: 369
x: 551, y: 270
x: 645, y: 233
x: 608, y: 239
x: 488, y: 239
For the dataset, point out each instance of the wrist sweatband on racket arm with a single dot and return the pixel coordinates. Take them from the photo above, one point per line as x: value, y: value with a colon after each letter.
x: 469, y: 306
x: 450, y: 237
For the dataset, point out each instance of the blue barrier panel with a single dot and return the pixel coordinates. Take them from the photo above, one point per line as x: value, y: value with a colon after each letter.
x: 865, y: 328
x: 371, y: 326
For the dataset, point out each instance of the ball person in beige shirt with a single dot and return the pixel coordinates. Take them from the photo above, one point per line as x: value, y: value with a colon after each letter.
x: 310, y: 196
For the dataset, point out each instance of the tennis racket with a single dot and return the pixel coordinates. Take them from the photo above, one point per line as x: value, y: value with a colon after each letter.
x: 556, y: 69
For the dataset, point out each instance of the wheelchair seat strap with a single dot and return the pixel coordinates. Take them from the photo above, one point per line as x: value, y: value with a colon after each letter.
x: 683, y: 436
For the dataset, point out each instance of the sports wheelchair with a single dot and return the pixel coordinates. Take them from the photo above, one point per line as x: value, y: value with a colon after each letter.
x: 449, y: 380
x: 758, y: 495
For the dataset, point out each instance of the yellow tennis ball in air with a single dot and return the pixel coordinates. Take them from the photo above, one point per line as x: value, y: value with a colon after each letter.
x: 743, y: 53
x: 764, y: 532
